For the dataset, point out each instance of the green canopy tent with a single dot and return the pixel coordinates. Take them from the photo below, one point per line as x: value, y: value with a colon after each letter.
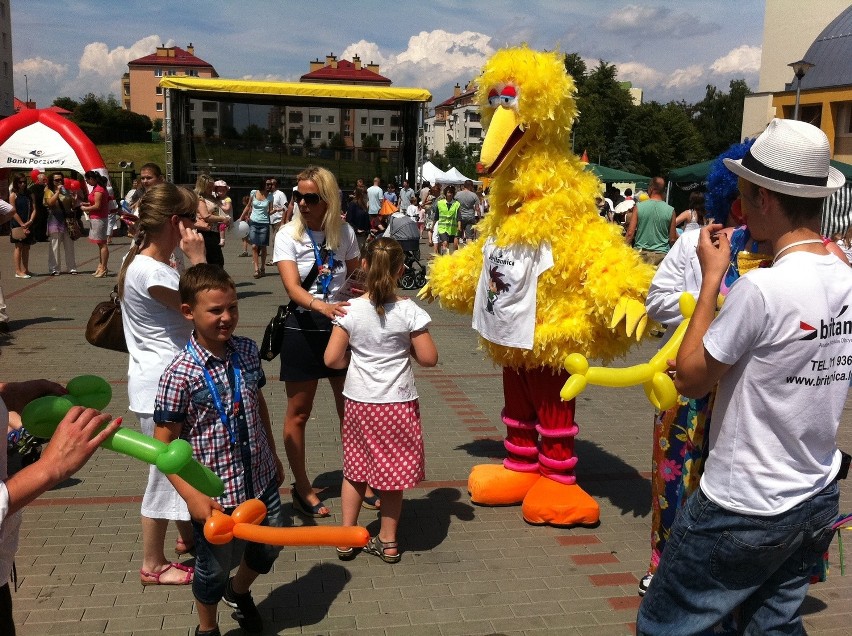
x: 686, y: 180
x: 612, y: 175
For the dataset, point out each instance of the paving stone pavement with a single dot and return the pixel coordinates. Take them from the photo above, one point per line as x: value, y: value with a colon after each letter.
x: 465, y: 569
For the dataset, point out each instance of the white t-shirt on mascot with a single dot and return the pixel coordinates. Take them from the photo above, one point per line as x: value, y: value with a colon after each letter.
x: 504, y: 306
x: 791, y: 357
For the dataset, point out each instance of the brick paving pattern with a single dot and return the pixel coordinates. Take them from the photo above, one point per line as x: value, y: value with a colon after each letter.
x: 465, y: 569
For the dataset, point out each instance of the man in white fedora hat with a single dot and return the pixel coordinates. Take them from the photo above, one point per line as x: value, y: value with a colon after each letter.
x: 781, y: 351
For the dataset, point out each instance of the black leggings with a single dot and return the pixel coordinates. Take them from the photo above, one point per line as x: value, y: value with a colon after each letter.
x: 7, y: 625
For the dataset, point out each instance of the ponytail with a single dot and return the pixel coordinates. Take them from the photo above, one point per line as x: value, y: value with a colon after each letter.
x: 384, y: 259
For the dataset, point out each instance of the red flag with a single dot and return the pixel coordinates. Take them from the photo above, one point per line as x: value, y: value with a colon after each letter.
x: 585, y: 158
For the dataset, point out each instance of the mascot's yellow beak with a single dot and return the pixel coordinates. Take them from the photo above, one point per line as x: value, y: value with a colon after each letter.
x: 505, y: 137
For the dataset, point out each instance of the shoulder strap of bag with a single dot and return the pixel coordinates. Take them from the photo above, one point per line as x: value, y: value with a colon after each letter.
x: 306, y: 284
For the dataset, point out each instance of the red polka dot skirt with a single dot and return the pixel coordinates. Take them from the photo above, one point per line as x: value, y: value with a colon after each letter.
x: 383, y: 444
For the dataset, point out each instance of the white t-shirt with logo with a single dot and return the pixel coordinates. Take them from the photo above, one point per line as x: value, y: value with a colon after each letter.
x: 380, y: 368
x: 505, y: 302
x: 787, y: 332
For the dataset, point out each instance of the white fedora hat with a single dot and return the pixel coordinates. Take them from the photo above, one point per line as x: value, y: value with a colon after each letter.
x: 790, y: 157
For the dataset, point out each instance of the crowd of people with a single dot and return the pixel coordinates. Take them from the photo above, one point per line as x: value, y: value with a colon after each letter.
x: 736, y: 528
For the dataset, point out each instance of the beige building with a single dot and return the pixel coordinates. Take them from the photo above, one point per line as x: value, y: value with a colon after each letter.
x: 142, y: 93
x: 789, y: 30
x: 455, y: 119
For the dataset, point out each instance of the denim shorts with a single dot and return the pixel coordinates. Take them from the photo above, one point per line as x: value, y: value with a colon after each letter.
x: 258, y: 234
x: 717, y: 560
x: 213, y: 563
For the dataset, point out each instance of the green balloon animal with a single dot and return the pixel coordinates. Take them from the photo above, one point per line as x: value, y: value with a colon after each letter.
x: 41, y: 417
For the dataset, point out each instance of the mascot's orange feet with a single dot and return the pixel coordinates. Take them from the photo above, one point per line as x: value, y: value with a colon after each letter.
x: 494, y: 485
x: 549, y: 502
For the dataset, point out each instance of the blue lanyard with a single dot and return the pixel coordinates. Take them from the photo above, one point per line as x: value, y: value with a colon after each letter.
x: 214, y: 392
x: 326, y: 271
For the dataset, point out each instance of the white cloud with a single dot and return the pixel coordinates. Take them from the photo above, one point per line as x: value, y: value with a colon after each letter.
x: 741, y: 60
x: 36, y: 66
x: 269, y: 77
x: 641, y: 75
x: 644, y: 21
x: 683, y: 77
x: 433, y: 59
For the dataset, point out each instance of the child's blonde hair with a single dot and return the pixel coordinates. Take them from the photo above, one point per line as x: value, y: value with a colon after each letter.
x: 384, y: 259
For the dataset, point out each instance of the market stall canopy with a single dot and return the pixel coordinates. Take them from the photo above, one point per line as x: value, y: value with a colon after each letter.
x: 613, y: 175
x: 432, y: 173
x: 696, y: 173
x: 456, y: 178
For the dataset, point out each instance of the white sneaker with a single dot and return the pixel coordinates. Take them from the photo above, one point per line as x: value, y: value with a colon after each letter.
x: 645, y: 583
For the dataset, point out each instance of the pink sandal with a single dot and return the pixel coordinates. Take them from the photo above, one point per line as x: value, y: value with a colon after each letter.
x: 153, y: 578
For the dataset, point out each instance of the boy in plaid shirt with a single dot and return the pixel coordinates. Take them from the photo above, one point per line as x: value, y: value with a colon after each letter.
x: 210, y: 396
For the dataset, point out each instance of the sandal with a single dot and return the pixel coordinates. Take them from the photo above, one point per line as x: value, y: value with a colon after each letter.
x: 153, y: 578
x: 377, y: 547
x: 345, y: 554
x: 301, y: 505
x: 371, y: 503
x: 257, y: 273
x: 181, y: 548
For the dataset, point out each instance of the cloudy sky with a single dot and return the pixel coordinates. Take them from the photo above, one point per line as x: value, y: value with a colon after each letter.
x: 670, y: 49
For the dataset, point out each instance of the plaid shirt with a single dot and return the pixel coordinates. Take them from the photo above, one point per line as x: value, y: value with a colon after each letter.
x: 247, y: 467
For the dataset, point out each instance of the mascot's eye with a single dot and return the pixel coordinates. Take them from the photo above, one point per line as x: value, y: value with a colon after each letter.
x: 493, y: 98
x: 509, y: 96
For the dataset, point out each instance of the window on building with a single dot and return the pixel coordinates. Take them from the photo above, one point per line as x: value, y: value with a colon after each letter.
x: 191, y: 105
x: 158, y: 72
x: 475, y: 133
x: 209, y: 122
x: 192, y: 73
x: 294, y: 118
x: 5, y: 69
x: 330, y: 135
x: 314, y: 119
x: 379, y: 136
x: 329, y: 119
x: 394, y: 120
x: 472, y: 115
x: 316, y: 134
x: 363, y: 136
x: 208, y: 107
x: 363, y: 121
x: 2, y: 9
x: 157, y: 91
x: 159, y: 107
x: 396, y: 135
x: 378, y: 121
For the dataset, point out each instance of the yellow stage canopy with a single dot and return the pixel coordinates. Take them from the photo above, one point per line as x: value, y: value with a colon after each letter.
x: 295, y: 90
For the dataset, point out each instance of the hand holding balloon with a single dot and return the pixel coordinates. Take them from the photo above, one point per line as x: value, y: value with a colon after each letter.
x: 652, y: 375
x: 41, y: 417
x: 244, y: 524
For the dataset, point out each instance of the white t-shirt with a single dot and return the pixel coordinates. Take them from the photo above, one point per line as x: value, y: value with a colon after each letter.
x: 10, y: 525
x: 505, y: 302
x: 413, y: 211
x: 154, y: 332
x: 380, y: 369
x: 279, y: 204
x: 301, y: 251
x: 787, y: 331
x: 679, y: 272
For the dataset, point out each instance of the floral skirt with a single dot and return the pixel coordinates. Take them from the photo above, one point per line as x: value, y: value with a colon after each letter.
x: 681, y: 437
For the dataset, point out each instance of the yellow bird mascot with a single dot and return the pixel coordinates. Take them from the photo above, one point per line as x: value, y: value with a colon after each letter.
x: 546, y: 277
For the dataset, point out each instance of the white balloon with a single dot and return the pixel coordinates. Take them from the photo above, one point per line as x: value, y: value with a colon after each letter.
x: 241, y: 229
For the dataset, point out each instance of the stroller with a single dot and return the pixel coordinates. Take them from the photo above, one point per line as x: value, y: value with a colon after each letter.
x: 414, y: 276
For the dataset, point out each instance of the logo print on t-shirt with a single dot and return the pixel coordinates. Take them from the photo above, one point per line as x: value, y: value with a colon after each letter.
x: 834, y: 327
x: 812, y: 332
x: 496, y: 286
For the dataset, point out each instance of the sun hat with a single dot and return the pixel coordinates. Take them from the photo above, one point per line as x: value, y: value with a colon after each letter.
x: 790, y: 157
x: 220, y: 184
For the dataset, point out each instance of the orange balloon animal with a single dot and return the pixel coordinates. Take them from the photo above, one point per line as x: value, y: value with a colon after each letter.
x: 244, y: 522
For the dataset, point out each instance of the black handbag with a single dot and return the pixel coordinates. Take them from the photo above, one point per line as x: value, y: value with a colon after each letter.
x: 105, y: 329
x: 273, y: 335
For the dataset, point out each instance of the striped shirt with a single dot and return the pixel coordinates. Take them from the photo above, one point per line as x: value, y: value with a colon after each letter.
x: 248, y: 466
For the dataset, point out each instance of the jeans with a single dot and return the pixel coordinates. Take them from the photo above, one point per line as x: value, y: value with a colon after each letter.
x: 213, y: 563
x: 717, y: 560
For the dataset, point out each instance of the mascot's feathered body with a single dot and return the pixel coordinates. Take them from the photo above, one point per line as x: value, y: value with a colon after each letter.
x: 546, y: 277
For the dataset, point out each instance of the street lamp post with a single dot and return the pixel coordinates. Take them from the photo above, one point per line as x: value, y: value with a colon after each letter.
x: 799, y: 69
x: 27, y: 88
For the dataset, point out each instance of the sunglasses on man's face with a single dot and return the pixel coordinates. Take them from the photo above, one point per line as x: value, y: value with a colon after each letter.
x: 311, y: 198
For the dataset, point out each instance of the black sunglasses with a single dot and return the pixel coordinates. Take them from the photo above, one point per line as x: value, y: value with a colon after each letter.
x: 311, y: 198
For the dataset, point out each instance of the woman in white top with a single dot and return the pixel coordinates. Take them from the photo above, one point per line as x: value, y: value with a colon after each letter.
x: 693, y: 218
x: 314, y: 253
x: 155, y: 331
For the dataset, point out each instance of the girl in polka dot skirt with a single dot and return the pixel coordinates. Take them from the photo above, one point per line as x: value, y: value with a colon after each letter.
x: 382, y: 437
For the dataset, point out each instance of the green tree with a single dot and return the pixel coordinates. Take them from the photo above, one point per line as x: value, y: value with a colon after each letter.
x: 619, y: 152
x: 370, y: 143
x: 718, y: 117
x: 336, y: 142
x: 66, y: 102
x: 88, y: 110
x: 603, y: 103
x: 253, y: 132
x: 663, y: 137
x: 461, y: 157
x: 576, y: 68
